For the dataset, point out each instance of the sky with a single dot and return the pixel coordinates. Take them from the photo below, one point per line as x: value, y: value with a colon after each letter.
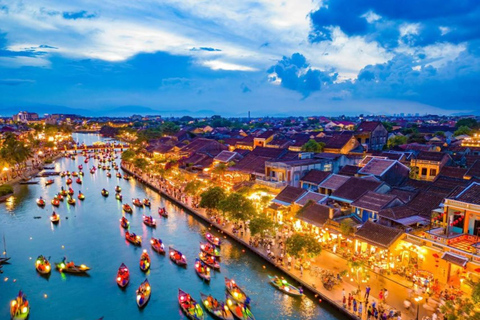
x: 269, y: 57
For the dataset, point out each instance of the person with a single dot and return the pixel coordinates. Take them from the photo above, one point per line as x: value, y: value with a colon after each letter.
x: 367, y: 292
x: 369, y: 312
x: 289, y: 262
x: 344, y: 301
x: 434, y: 316
x: 385, y: 295
x: 350, y: 298
x: 399, y: 316
x: 301, y: 269
x: 354, y: 305
x: 380, y: 295
x: 360, y: 309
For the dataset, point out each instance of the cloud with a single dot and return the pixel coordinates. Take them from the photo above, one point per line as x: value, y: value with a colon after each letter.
x: 15, y: 82
x: 295, y: 73
x: 74, y: 15
x: 205, y: 49
x: 222, y: 65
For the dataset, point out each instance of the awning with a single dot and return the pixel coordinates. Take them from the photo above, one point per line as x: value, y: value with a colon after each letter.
x: 408, y: 221
x: 455, y: 259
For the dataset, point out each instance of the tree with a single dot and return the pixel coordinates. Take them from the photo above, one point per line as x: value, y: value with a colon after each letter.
x: 440, y: 134
x: 462, y: 130
x: 128, y: 155
x: 140, y: 163
x: 237, y: 207
x: 13, y: 151
x: 211, y: 198
x: 193, y: 187
x: 261, y: 225
x: 346, y: 227
x: 460, y: 309
x: 396, y: 141
x: 467, y: 122
x: 301, y: 245
x: 313, y: 146
x: 476, y: 293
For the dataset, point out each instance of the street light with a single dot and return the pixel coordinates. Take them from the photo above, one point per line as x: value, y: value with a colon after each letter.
x: 417, y: 300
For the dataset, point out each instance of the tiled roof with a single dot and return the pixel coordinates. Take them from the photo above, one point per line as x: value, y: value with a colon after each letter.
x: 377, y: 166
x: 315, y: 214
x: 367, y: 126
x: 315, y: 176
x: 471, y: 194
x: 403, y: 194
x: 425, y: 202
x: 225, y: 156
x: 474, y: 170
x: 266, y: 134
x: 430, y: 156
x: 289, y: 195
x: 338, y: 141
x: 453, y: 258
x: 397, y: 213
x: 453, y: 172
x: 269, y: 152
x: 353, y: 188
x: 203, y: 145
x: 311, y: 196
x: 349, y: 170
x: 251, y: 164
x: 367, y: 159
x: 373, y: 201
x: 378, y: 235
x: 333, y: 182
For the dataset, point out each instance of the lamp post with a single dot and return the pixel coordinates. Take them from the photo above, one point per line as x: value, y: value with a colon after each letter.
x: 417, y: 300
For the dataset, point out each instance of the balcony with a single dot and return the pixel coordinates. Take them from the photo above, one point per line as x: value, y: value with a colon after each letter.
x: 271, y: 183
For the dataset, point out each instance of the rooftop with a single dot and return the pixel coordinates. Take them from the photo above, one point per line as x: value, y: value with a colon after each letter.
x: 373, y: 201
x: 310, y: 196
x: 315, y: 176
x: 378, y: 235
x: 333, y: 182
x: 315, y: 214
x: 289, y: 195
x: 354, y: 188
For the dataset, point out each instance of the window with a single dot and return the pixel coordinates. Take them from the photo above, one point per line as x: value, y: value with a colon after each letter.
x: 433, y: 172
x: 424, y: 171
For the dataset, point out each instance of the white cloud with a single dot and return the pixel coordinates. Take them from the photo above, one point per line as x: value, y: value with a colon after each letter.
x: 222, y: 65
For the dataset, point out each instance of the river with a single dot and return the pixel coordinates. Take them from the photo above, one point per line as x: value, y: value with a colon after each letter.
x: 92, y: 235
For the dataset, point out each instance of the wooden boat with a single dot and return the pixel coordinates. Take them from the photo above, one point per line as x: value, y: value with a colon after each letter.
x: 80, y: 167
x: 145, y: 261
x: 109, y: 175
x: 68, y: 173
x: 80, y: 173
x: 55, y: 202
x: 118, y: 175
x: 78, y: 180
x: 124, y: 223
x: 216, y: 308
x: 133, y: 238
x: 137, y: 202
x: 163, y: 212
x: 118, y: 189
x: 189, y: 306
x: 41, y: 202
x: 104, y: 193
x: 127, y: 208
x: 236, y: 292
x: 210, y: 249
x: 157, y: 245
x: 74, y: 174
x: 49, y: 182
x: 177, y: 257
x: 149, y: 221
x: 69, y: 181
x: 119, y: 196
x: 146, y: 202
x: 123, y: 276
x: 202, y: 270
x: 239, y: 310
x: 143, y: 294
x: 92, y: 171
x: 59, y: 196
x: 55, y: 218
x: 81, y: 196
x: 209, y: 260
x: 212, y: 239
x: 285, y: 287
x: 71, y: 268
x: 19, y: 308
x: 71, y: 201
x: 62, y: 174
x: 43, y: 265
x: 70, y: 191
x: 126, y: 177
x: 64, y: 192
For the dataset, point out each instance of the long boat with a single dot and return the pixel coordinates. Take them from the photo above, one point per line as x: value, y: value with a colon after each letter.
x: 202, y: 270
x: 127, y: 208
x: 145, y: 261
x: 210, y: 249
x: 216, y: 308
x: 143, y: 294
x: 133, y: 238
x: 236, y: 292
x: 163, y: 212
x: 209, y: 260
x: 137, y: 202
x: 123, y: 276
x: 71, y: 268
x: 149, y: 221
x: 212, y: 239
x: 177, y: 257
x: 189, y: 306
x: 19, y: 308
x: 157, y: 245
x: 285, y: 287
x: 239, y: 310
x: 124, y: 223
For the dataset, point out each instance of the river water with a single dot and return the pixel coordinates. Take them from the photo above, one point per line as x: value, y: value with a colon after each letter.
x: 92, y: 235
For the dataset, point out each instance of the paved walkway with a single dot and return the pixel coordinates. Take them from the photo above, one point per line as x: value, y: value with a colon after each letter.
x: 327, y: 260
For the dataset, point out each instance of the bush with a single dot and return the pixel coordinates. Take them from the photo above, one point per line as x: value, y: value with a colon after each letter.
x: 5, y: 189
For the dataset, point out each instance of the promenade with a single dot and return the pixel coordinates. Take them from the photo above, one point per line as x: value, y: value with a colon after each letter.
x: 398, y: 289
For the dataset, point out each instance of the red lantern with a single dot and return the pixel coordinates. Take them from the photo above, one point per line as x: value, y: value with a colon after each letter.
x: 435, y: 255
x: 436, y: 266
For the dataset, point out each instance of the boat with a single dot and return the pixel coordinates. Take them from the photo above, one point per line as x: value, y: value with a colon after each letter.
x: 55, y: 202
x: 70, y: 191
x: 68, y: 173
x: 209, y: 260
x: 118, y: 175
x: 78, y: 180
x: 123, y: 276
x: 157, y: 245
x: 133, y: 238
x: 202, y: 270
x: 80, y: 167
x: 124, y: 223
x: 81, y: 196
x: 216, y: 308
x: 55, y: 218
x: 143, y: 294
x: 59, y: 196
x: 282, y: 285
x: 71, y: 201
x: 145, y: 261
x: 92, y: 171
x: 236, y: 292
x: 49, y: 182
x: 137, y: 202
x: 238, y: 309
x: 146, y: 202
x: 74, y: 174
x: 177, y: 257
x: 126, y: 177
x: 109, y: 175
x: 163, y: 212
x: 189, y: 306
x: 212, y: 239
x: 64, y: 192
x: 62, y: 174
x: 70, y: 267
x: 104, y: 193
x: 210, y: 249
x: 69, y: 181
x: 41, y: 202
x: 149, y: 221
x: 19, y: 308
x: 80, y: 173
x: 43, y: 265
x: 127, y: 208
x: 118, y: 189
x: 119, y: 196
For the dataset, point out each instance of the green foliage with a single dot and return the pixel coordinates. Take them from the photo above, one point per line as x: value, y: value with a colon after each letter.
x: 313, y: 146
x: 212, y: 197
x: 460, y: 309
x: 13, y: 151
x: 476, y: 293
x: 237, y: 207
x: 388, y: 125
x: 467, y: 122
x: 140, y: 163
x: 261, y: 225
x: 440, y: 134
x: 193, y: 187
x: 346, y: 227
x: 462, y: 130
x: 128, y: 155
x: 5, y: 189
x: 416, y: 138
x: 396, y: 141
x: 301, y: 245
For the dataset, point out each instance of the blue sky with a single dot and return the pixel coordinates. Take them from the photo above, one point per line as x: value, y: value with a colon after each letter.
x: 226, y: 57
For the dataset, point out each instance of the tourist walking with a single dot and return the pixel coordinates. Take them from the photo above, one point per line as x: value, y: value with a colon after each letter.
x: 380, y: 295
x: 354, y: 305
x: 301, y: 269
x: 350, y: 298
x: 367, y: 292
x: 385, y: 295
x: 360, y: 309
